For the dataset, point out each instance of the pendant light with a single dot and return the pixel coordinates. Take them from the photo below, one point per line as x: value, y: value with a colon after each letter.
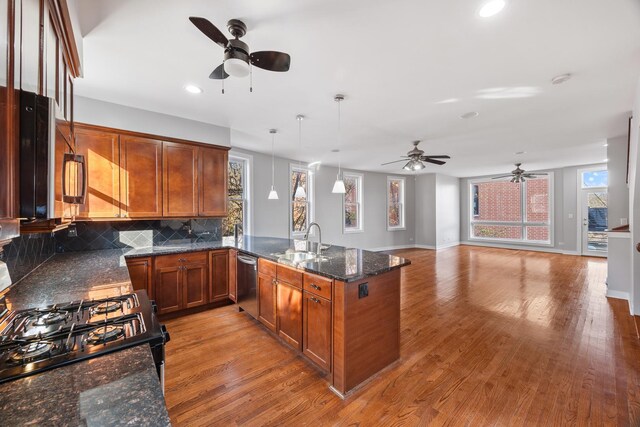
x: 300, y: 193
x: 273, y: 194
x: 338, y: 186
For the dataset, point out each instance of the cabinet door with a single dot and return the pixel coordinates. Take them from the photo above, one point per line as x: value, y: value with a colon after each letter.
x: 317, y: 330
x: 141, y: 177
x: 179, y: 180
x: 233, y: 278
x: 213, y: 182
x: 194, y: 283
x: 62, y: 146
x: 219, y: 275
x: 289, y: 309
x: 102, y: 157
x: 140, y: 274
x: 168, y: 289
x: 267, y: 301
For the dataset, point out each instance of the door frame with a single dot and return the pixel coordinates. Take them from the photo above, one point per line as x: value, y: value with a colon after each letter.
x: 579, y: 207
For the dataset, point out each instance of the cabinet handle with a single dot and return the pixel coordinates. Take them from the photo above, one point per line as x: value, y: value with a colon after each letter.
x: 314, y: 299
x: 117, y: 215
x: 316, y: 287
x: 274, y: 281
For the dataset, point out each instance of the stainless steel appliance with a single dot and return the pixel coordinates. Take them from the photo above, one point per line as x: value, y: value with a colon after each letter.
x: 40, y: 339
x: 247, y: 276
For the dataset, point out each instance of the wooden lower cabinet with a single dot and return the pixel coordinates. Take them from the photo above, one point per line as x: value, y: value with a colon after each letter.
x: 289, y: 310
x: 316, y: 329
x: 140, y: 274
x: 219, y: 275
x: 232, y: 277
x: 267, y: 300
x: 180, y: 281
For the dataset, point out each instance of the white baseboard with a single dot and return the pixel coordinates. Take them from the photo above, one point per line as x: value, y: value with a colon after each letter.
x: 576, y: 253
x: 513, y: 247
x: 448, y: 245
x: 617, y: 294
x: 391, y: 248
x: 430, y: 247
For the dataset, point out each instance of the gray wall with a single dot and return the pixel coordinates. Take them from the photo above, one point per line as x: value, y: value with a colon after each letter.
x: 93, y: 111
x: 634, y: 202
x: 271, y: 217
x: 447, y: 210
x: 618, y: 190
x: 425, y: 210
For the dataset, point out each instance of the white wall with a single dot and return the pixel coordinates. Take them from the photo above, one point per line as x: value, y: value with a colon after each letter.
x: 634, y: 201
x: 447, y: 210
x: 93, y: 111
x: 271, y: 217
x: 618, y: 191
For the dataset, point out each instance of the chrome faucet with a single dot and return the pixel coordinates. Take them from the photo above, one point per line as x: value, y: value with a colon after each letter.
x: 306, y: 237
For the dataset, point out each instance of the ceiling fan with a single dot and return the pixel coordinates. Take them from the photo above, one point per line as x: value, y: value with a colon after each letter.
x: 416, y: 158
x: 519, y: 175
x: 237, y: 55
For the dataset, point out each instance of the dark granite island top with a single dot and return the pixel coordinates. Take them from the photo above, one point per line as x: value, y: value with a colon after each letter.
x: 120, y: 388
x: 344, y: 264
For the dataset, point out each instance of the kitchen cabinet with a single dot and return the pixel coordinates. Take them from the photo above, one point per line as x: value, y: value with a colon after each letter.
x: 63, y: 145
x: 289, y: 310
x: 180, y: 281
x: 316, y: 335
x: 140, y: 177
x: 266, y: 295
x: 212, y: 164
x: 218, y: 275
x: 233, y: 278
x: 179, y: 180
x: 101, y: 150
x: 140, y: 274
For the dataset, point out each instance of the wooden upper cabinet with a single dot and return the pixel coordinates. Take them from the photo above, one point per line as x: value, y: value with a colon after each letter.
x: 140, y: 177
x: 179, y: 180
x: 62, y: 146
x: 213, y: 163
x: 102, y: 156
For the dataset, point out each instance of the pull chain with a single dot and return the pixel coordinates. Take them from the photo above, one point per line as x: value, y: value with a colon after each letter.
x: 250, y: 77
x: 223, y: 73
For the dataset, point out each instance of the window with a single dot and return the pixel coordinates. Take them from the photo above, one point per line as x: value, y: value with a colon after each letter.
x: 395, y: 203
x: 352, y: 203
x: 301, y: 207
x: 507, y: 211
x: 237, y: 195
x: 595, y: 178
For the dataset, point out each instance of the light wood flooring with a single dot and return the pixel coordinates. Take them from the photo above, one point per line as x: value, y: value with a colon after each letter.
x: 489, y: 337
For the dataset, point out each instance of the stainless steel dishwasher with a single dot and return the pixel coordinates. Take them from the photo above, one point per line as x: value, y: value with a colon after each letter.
x: 247, y: 283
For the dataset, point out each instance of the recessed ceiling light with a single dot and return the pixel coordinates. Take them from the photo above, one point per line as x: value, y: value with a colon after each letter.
x: 491, y: 8
x: 470, y: 115
x: 192, y: 89
x: 335, y: 150
x: 561, y: 78
x: 520, y: 152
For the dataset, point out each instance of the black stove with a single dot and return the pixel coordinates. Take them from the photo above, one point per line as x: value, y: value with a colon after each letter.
x: 39, y: 339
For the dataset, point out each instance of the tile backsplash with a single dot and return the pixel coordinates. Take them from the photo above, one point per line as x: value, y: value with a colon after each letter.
x: 23, y: 255
x: 135, y: 234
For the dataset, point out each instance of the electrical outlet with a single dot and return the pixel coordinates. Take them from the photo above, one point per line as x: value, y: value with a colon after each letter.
x: 570, y: 216
x: 72, y: 232
x: 363, y: 290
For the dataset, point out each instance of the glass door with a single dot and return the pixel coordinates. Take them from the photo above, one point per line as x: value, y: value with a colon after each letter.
x: 594, y: 222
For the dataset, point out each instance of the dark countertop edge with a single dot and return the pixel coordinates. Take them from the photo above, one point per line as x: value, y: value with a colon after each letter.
x: 270, y: 258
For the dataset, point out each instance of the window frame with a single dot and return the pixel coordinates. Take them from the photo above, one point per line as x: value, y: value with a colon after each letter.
x: 247, y: 161
x: 360, y: 204
x: 403, y: 214
x: 523, y: 223
x: 310, y: 197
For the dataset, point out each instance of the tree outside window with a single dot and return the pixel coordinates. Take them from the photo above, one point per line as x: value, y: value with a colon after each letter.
x: 236, y: 196
x: 300, y: 206
x: 395, y: 203
x: 352, y: 203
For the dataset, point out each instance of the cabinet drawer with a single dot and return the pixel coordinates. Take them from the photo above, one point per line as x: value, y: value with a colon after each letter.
x: 290, y: 276
x: 267, y: 267
x: 318, y: 285
x: 177, y: 259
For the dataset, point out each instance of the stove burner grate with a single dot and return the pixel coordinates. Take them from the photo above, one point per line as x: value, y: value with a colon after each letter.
x: 49, y: 318
x: 32, y: 352
x: 105, y: 334
x: 107, y: 307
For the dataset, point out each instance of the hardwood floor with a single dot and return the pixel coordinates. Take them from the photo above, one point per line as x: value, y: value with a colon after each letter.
x: 489, y: 337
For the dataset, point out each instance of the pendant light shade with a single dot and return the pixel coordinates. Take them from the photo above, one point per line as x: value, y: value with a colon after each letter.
x: 338, y: 186
x: 273, y: 194
x: 300, y: 192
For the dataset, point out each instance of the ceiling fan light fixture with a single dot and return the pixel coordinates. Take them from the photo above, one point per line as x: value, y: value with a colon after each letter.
x: 417, y: 165
x: 236, y: 67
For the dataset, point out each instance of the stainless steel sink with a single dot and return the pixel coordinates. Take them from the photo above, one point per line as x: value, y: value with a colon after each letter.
x: 299, y: 257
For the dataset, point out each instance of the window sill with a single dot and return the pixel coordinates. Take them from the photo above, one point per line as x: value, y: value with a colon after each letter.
x: 512, y: 242
x: 396, y: 229
x: 345, y: 231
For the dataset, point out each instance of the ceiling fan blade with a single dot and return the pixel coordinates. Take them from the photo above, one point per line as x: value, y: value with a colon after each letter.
x: 436, y: 157
x: 435, y: 162
x: 210, y: 30
x: 271, y: 60
x: 219, y: 73
x: 503, y: 176
x: 395, y: 161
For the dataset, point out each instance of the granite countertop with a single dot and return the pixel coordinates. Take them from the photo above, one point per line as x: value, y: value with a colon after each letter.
x: 344, y: 264
x: 118, y: 389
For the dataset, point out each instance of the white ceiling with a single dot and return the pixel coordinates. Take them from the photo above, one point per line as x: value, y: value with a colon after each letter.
x: 396, y: 62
